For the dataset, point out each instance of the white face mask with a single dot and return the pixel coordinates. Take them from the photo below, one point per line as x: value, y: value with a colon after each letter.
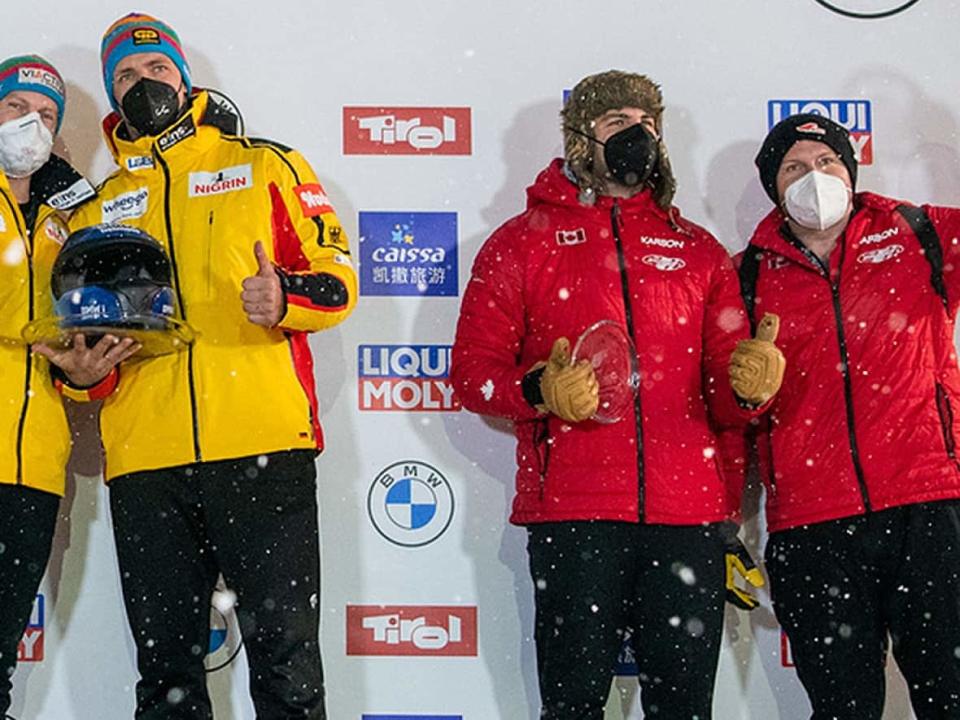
x: 25, y: 145
x: 817, y: 200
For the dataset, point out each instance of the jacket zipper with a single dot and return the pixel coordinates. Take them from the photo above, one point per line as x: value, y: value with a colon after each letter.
x: 21, y: 424
x: 541, y: 438
x: 628, y: 312
x: 945, y: 411
x: 183, y: 308
x: 844, y: 365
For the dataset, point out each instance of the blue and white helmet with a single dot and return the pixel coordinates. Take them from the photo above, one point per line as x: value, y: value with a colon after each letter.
x: 113, y: 276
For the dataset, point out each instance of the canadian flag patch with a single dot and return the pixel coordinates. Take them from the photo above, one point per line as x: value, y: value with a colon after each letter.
x: 571, y: 237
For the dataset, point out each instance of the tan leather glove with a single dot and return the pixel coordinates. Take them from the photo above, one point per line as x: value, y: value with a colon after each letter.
x: 569, y: 391
x: 757, y: 365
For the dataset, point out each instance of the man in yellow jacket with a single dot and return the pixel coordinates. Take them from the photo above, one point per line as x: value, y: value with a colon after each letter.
x: 210, y: 452
x: 34, y: 186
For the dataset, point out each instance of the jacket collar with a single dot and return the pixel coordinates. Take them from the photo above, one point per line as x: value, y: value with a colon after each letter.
x: 190, y: 135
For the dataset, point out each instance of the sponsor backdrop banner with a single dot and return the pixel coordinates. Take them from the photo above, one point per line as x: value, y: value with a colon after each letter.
x: 425, y: 122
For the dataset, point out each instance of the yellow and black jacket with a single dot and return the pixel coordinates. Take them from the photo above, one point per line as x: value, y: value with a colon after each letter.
x: 208, y: 196
x: 33, y: 427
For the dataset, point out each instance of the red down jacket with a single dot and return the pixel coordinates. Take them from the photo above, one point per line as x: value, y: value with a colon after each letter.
x: 553, y: 271
x: 868, y: 414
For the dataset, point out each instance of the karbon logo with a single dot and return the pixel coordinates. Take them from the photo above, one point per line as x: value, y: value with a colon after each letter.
x: 855, y: 115
x: 406, y: 131
x: 405, y: 630
x: 406, y: 378
x: 866, y: 9
x: 30, y: 648
x: 410, y: 503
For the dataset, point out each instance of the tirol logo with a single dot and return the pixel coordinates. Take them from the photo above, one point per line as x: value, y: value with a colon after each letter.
x: 30, y: 648
x: 412, y: 253
x: 406, y: 378
x: 368, y: 716
x: 854, y: 115
x: 39, y: 76
x: 125, y: 206
x: 867, y: 9
x: 403, y: 630
x: 410, y: 503
x: 238, y: 177
x: 225, y: 640
x: 406, y: 131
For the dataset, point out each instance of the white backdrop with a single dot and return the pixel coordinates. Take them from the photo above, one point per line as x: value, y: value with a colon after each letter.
x: 292, y: 66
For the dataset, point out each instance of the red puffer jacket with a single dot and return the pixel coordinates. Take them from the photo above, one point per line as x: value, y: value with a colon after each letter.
x: 868, y: 414
x: 553, y: 271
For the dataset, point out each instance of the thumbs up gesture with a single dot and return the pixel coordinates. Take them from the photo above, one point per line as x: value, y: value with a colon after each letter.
x: 262, y: 296
x: 757, y: 365
x: 569, y: 391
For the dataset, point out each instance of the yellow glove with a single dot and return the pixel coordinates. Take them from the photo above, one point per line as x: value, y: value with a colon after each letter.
x: 740, y: 563
x: 569, y: 391
x: 757, y: 365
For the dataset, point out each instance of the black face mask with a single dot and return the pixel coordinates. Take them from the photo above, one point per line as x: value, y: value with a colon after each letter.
x: 150, y: 106
x: 631, y: 155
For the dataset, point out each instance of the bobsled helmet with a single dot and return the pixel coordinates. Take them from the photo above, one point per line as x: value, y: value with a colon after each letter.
x: 113, y: 276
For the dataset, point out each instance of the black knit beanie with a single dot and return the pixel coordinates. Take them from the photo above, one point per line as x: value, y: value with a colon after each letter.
x: 805, y: 126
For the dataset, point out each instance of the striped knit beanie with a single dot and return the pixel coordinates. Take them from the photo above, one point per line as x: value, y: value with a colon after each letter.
x: 33, y: 73
x: 139, y: 33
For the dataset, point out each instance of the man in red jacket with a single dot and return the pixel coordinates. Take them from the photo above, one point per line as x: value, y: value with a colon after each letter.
x: 624, y: 518
x: 860, y: 455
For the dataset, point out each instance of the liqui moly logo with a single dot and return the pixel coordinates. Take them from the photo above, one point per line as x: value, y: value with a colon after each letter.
x: 30, y: 648
x: 405, y: 378
x: 407, y: 131
x: 401, y: 630
x: 855, y: 115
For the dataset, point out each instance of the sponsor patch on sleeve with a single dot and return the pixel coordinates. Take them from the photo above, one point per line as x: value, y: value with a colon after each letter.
x: 313, y: 199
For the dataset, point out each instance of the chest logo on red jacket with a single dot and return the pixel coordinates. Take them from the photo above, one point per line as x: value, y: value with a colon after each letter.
x: 571, y: 237
x: 664, y: 263
x: 880, y: 255
x: 669, y: 243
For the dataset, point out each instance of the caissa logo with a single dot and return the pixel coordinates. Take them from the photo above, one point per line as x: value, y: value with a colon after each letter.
x: 866, y: 9
x: 410, y: 503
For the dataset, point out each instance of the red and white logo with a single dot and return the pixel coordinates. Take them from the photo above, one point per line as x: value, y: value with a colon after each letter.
x: 664, y: 263
x: 400, y: 630
x: 231, y: 179
x: 880, y: 255
x: 786, y: 654
x: 571, y: 237
x: 811, y: 127
x: 313, y: 199
x: 406, y: 131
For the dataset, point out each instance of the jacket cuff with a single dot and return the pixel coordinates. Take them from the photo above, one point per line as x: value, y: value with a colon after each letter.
x: 530, y: 386
x: 80, y: 393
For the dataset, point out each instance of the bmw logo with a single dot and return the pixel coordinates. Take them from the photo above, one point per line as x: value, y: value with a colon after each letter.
x: 410, y: 503
x: 867, y: 9
x: 225, y: 641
